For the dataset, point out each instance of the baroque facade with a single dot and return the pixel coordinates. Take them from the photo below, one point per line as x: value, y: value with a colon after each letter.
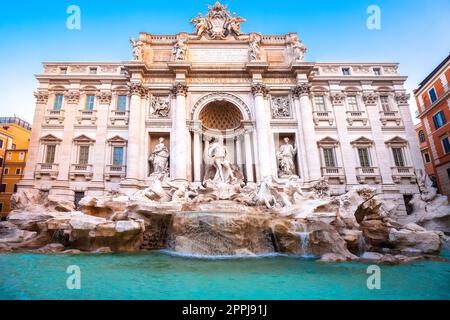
x: 104, y: 127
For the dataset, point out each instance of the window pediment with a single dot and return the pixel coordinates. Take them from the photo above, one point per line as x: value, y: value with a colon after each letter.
x: 328, y: 142
x: 83, y: 139
x: 48, y: 139
x: 362, y: 142
x: 397, y: 141
x: 117, y: 141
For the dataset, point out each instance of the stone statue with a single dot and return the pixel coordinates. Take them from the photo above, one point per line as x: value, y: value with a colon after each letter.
x: 179, y: 50
x: 298, y: 48
x: 218, y: 153
x: 266, y: 193
x: 254, y: 49
x: 138, y: 50
x: 285, y: 157
x: 201, y: 26
x: 234, y: 24
x: 160, y: 158
x: 182, y: 192
x: 427, y: 191
x: 321, y: 189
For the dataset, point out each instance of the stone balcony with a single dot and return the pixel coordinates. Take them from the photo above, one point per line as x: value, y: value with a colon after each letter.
x: 81, y: 170
x: 46, y: 169
x: 54, y: 117
x: 368, y: 175
x: 326, y: 116
x: 357, y: 116
x: 87, y: 117
x: 115, y: 171
x: 119, y: 116
x: 390, y: 116
x: 403, y: 173
x: 333, y: 173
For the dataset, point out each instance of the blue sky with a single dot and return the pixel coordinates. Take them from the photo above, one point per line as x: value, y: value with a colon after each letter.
x: 414, y: 33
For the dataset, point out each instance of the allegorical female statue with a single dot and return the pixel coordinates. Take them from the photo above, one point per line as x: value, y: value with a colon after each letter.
x: 160, y: 158
x: 285, y: 157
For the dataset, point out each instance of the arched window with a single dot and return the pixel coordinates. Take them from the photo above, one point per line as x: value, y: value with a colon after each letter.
x: 421, y: 136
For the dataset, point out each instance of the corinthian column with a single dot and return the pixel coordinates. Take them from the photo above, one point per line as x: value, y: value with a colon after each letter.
x: 137, y: 90
x: 301, y: 92
x: 179, y: 133
x: 262, y: 130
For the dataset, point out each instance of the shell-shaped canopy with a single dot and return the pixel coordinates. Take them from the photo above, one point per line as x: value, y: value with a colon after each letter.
x: 221, y: 115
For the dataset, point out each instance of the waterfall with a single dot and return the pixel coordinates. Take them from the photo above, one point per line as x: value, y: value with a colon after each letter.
x: 361, y: 245
x: 304, y: 238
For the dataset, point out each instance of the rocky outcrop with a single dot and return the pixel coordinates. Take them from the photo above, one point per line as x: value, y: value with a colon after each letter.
x: 415, y: 239
x: 32, y: 200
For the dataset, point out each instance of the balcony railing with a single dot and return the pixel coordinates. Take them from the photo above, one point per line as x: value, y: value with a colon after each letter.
x: 81, y: 170
x: 46, y: 169
x: 56, y: 115
x: 359, y: 115
x: 115, y: 171
x: 386, y: 116
x: 87, y: 115
x: 119, y: 115
x: 363, y: 173
x: 398, y: 173
x: 323, y: 115
x: 333, y: 172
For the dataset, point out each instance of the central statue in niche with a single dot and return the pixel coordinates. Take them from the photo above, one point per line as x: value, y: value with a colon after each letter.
x: 218, y: 154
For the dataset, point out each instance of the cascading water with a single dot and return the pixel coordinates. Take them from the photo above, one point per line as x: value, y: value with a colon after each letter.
x: 361, y: 245
x: 304, y: 238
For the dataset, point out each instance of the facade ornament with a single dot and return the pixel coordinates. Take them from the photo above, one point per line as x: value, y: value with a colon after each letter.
x: 72, y: 97
x: 179, y: 50
x: 160, y: 107
x: 104, y: 97
x: 298, y: 48
x: 218, y: 24
x: 180, y: 88
x: 41, y: 96
x: 321, y: 189
x: 136, y: 88
x: 138, y: 49
x: 301, y: 89
x: 159, y: 158
x: 259, y: 88
x: 255, y: 48
x: 281, y: 107
x: 337, y: 98
x: 370, y: 99
x: 402, y: 98
x: 285, y: 156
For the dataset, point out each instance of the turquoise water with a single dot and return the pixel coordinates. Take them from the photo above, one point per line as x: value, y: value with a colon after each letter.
x: 158, y: 275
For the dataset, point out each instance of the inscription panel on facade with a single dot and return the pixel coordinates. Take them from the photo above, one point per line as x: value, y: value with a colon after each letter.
x: 219, y: 55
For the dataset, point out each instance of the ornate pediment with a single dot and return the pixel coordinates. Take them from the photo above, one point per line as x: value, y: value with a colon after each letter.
x: 397, y: 141
x: 328, y: 141
x: 83, y: 139
x: 362, y: 141
x: 117, y: 140
x: 218, y: 23
x: 50, y: 139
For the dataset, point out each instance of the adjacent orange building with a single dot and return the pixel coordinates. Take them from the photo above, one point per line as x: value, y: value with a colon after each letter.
x: 14, y: 141
x: 433, y: 102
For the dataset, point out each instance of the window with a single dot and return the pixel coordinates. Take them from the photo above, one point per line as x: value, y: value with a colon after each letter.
x: 398, y: 157
x: 2, y: 187
x: 13, y: 146
x: 122, y: 103
x: 63, y: 70
x: 50, y: 154
x: 1, y: 206
x: 421, y: 136
x: 6, y: 171
x: 21, y: 156
x: 93, y: 70
x: 352, y: 103
x: 377, y: 71
x: 118, y: 156
x: 385, y: 103
x: 364, y: 158
x: 123, y: 71
x: 319, y: 102
x: 446, y: 144
x: 90, y: 100
x: 83, y: 157
x: 15, y: 188
x: 18, y: 171
x: 58, y: 102
x: 346, y: 71
x: 448, y: 173
x: 427, y: 157
x: 328, y: 156
x: 1, y: 161
x: 1, y: 144
x: 439, y: 120
x: 9, y: 156
x: 432, y: 94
